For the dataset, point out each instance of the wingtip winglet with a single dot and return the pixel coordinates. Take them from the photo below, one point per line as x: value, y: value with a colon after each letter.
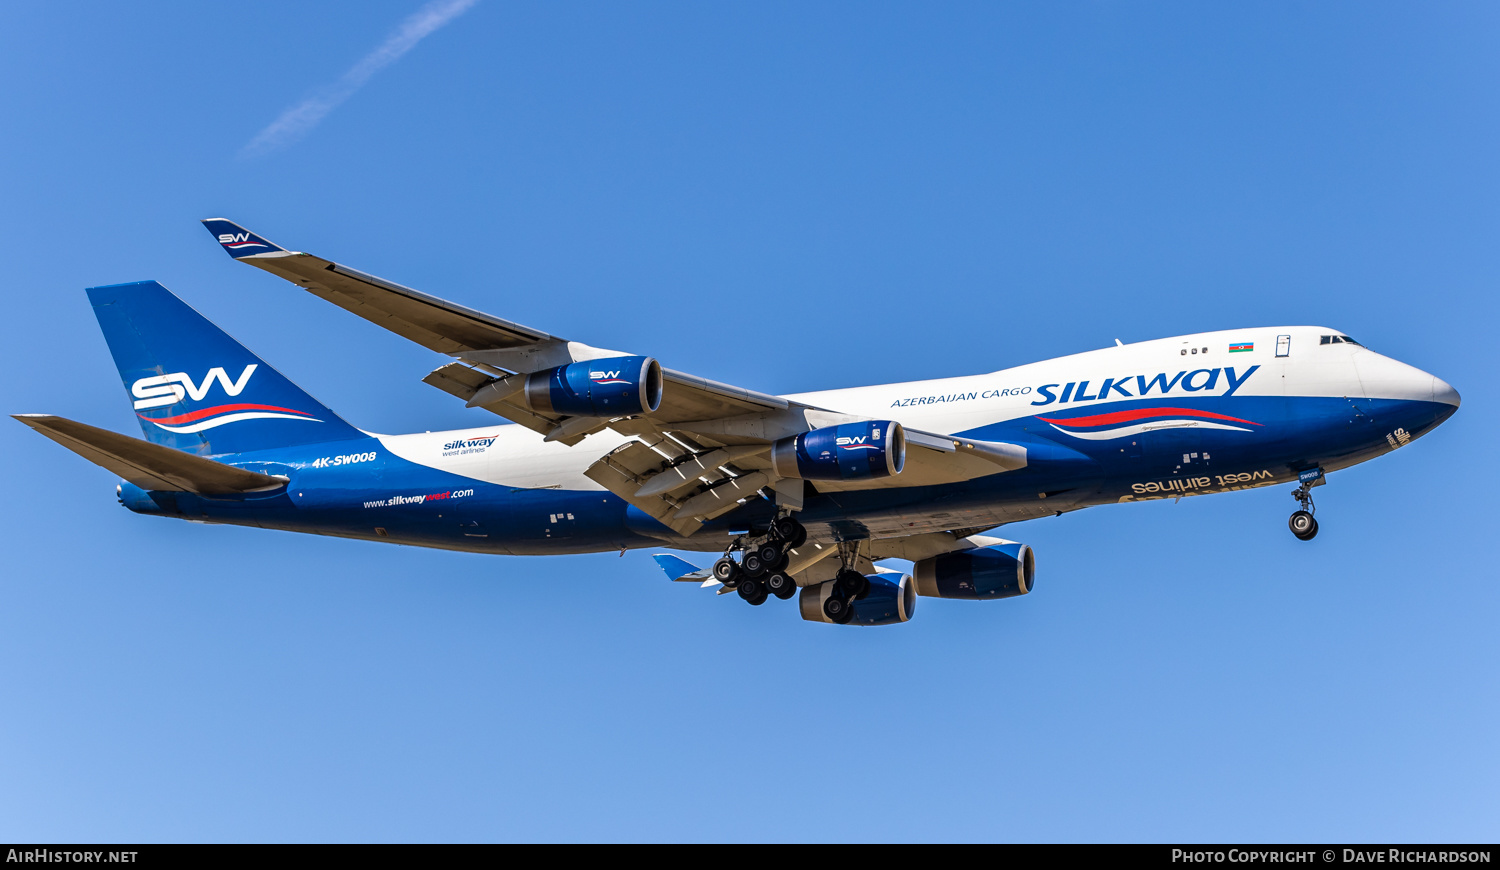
x: 237, y: 241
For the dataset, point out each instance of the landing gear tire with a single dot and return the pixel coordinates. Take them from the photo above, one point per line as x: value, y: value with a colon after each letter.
x: 769, y: 553
x: 837, y: 610
x: 752, y: 590
x: 753, y: 565
x: 789, y: 531
x: 726, y: 571
x: 781, y: 585
x: 853, y: 584
x: 1303, y: 525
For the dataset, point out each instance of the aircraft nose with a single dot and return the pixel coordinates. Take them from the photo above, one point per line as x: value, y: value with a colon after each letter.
x: 1384, y: 378
x: 1442, y: 391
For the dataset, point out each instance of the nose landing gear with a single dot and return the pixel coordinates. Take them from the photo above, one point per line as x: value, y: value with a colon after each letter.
x: 1302, y: 523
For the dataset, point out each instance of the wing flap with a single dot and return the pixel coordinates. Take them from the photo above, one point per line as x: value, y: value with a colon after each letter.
x: 623, y: 470
x: 149, y: 466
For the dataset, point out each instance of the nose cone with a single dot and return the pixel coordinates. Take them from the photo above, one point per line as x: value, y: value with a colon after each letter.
x: 1416, y: 401
x: 1442, y: 391
x: 1446, y: 398
x: 1384, y: 378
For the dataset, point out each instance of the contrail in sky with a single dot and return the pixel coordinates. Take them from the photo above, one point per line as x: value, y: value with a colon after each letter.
x: 299, y: 119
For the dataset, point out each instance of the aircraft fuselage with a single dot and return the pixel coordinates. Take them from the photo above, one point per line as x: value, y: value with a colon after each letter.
x: 1191, y: 415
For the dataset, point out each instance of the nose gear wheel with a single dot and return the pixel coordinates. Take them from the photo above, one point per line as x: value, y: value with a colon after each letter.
x: 1302, y: 523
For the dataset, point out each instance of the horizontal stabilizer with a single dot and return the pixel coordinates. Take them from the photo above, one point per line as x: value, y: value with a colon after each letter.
x: 149, y: 466
x: 680, y: 570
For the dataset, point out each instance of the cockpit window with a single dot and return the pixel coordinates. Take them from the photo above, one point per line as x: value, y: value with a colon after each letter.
x: 1348, y: 340
x: 1339, y: 339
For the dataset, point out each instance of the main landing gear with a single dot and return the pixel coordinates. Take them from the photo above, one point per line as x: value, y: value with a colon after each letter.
x: 761, y: 571
x: 1303, y: 524
x: 848, y: 586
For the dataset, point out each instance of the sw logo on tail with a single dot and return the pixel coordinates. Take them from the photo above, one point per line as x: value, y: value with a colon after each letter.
x: 158, y: 391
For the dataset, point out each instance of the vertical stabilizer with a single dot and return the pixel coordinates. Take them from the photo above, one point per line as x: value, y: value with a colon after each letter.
x: 195, y: 388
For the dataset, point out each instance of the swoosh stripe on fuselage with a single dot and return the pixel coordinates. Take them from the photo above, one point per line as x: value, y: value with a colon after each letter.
x: 1121, y: 432
x: 1131, y: 414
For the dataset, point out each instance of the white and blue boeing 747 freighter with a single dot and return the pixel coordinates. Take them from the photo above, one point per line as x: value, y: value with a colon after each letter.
x: 615, y: 452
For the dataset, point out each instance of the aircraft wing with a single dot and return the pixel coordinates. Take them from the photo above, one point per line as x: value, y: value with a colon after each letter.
x: 478, y: 338
x: 704, y: 450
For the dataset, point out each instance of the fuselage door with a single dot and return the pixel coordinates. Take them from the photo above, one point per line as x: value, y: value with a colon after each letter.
x: 1283, y: 345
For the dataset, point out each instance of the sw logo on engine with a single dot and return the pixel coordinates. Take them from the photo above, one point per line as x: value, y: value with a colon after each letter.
x: 855, y: 442
x: 161, y: 390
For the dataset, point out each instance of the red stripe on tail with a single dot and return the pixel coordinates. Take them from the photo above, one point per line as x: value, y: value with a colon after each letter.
x: 193, y: 416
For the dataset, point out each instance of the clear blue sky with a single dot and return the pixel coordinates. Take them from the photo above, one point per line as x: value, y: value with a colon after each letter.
x: 788, y: 197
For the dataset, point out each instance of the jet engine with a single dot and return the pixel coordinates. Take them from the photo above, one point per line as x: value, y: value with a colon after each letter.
x: 1000, y: 571
x: 614, y: 387
x: 851, y: 451
x: 892, y: 598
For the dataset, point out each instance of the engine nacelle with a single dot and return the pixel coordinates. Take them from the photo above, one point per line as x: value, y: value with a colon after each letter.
x: 1001, y: 571
x: 850, y: 451
x: 614, y: 387
x: 889, y: 602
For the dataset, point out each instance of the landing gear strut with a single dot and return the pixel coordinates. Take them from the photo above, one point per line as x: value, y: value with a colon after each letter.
x: 848, y: 586
x: 761, y: 570
x: 787, y: 530
x: 1303, y: 524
